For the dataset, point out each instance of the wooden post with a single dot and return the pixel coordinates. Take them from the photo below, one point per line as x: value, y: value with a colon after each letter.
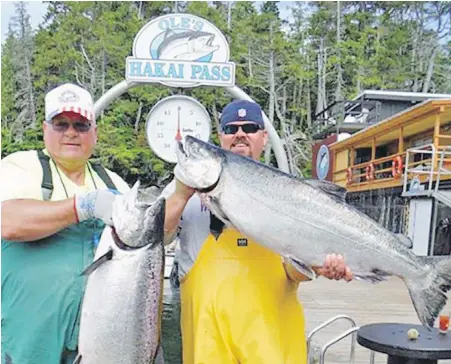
x: 373, y: 149
x: 436, y: 139
x: 437, y: 130
x: 401, y: 141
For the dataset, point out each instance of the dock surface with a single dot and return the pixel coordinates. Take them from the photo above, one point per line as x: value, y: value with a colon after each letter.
x: 366, y: 303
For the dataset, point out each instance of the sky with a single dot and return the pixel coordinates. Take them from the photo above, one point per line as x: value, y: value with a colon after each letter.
x: 37, y: 9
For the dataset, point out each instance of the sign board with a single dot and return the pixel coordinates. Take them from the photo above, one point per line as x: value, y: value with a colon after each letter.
x: 180, y: 50
x: 323, y: 159
x: 322, y: 162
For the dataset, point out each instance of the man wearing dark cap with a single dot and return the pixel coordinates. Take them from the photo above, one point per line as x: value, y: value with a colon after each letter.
x: 238, y: 299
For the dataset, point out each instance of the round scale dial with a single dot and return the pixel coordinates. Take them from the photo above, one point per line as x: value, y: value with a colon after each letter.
x: 173, y: 118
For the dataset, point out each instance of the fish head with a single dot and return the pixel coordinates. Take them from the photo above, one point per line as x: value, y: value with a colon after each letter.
x: 188, y: 45
x: 202, y: 42
x: 138, y: 217
x: 199, y: 163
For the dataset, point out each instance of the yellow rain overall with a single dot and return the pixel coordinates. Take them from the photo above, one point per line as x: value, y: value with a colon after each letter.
x: 238, y: 306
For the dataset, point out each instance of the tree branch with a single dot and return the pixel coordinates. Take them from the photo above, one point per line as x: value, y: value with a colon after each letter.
x: 86, y: 56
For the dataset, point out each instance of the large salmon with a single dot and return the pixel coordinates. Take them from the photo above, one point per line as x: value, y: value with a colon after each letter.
x: 122, y: 305
x: 303, y: 220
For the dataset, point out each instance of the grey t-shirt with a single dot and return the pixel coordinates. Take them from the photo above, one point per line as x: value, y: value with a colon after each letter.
x: 194, y: 229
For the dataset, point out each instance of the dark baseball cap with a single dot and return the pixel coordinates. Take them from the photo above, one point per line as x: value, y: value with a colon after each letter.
x: 242, y: 110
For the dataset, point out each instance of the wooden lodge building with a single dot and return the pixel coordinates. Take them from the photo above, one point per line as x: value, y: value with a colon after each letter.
x: 392, y: 152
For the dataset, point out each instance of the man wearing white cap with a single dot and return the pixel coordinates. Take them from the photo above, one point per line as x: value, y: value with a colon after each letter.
x: 55, y: 204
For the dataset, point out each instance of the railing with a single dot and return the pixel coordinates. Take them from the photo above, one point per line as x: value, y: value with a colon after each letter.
x: 440, y: 167
x: 352, y: 330
x: 335, y: 114
x: 400, y: 167
x: 373, y: 171
x: 428, y: 164
x: 430, y: 167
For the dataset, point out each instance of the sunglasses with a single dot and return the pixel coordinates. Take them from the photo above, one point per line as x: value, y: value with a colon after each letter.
x: 63, y: 126
x: 250, y: 128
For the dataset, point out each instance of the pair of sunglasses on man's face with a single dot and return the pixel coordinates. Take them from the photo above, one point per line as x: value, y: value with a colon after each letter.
x: 250, y: 128
x: 62, y: 126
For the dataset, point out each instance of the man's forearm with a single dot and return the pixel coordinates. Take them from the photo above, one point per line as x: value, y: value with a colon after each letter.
x: 28, y: 220
x: 175, y: 205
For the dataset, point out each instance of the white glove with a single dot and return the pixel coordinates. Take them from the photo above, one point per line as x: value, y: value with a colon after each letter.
x: 180, y: 175
x: 96, y: 204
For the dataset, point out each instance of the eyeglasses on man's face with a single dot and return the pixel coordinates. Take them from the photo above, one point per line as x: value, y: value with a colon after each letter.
x: 62, y: 125
x: 250, y: 128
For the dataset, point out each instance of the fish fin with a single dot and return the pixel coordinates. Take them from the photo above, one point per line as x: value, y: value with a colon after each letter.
x: 368, y: 277
x: 301, y: 267
x: 216, y: 210
x: 77, y: 359
x: 328, y: 187
x: 159, y: 358
x: 97, y: 263
x: 374, y: 276
x: 428, y: 292
x: 405, y: 240
x: 168, y: 33
x: 434, y: 259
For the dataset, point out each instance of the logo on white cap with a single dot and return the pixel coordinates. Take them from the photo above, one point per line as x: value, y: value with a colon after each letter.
x: 242, y: 113
x: 68, y: 96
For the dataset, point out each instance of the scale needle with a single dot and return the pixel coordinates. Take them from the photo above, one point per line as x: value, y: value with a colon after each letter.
x: 178, y: 136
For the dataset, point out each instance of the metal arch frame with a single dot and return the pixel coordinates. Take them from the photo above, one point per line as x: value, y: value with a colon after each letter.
x: 120, y: 88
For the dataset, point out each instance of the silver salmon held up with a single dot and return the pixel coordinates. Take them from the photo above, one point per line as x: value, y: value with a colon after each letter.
x: 122, y: 305
x: 303, y: 220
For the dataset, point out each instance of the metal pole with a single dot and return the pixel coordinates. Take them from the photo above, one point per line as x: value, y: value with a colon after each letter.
x: 112, y: 94
x: 337, y: 339
x: 372, y: 354
x: 123, y: 86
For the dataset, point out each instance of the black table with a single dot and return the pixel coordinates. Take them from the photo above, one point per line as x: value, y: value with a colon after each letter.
x: 391, y: 339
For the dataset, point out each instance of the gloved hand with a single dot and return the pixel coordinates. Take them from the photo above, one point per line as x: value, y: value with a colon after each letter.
x: 96, y: 204
x: 179, y: 174
x: 182, y: 187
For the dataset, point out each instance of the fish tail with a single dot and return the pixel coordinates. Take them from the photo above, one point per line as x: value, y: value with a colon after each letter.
x: 428, y: 292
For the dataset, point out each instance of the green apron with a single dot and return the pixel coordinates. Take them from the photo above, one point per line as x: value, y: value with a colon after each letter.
x: 42, y: 292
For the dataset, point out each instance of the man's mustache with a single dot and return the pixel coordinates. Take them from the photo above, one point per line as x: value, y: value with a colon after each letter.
x: 240, y: 141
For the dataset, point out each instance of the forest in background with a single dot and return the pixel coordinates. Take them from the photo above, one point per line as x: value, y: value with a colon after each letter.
x: 326, y: 52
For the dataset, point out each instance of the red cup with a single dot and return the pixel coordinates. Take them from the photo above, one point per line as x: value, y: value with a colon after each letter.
x: 443, y: 323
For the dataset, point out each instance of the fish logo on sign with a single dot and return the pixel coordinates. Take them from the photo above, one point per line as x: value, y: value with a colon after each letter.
x: 188, y: 45
x: 322, y: 162
x: 180, y: 50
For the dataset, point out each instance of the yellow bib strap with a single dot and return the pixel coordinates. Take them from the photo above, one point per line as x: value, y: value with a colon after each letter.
x: 238, y: 306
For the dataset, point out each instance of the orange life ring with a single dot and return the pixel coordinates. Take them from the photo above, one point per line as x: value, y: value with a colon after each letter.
x: 369, y: 172
x: 396, y: 167
x: 349, y: 175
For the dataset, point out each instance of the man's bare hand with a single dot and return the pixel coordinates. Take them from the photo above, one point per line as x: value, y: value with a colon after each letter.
x: 335, y: 268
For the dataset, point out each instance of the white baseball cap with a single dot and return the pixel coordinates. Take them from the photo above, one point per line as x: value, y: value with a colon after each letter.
x: 69, y: 97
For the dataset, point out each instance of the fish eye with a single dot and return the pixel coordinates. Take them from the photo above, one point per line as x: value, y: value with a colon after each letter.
x: 194, y: 148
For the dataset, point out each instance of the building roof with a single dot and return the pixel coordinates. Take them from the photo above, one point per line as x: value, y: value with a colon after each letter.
x: 400, y: 95
x: 388, y: 126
